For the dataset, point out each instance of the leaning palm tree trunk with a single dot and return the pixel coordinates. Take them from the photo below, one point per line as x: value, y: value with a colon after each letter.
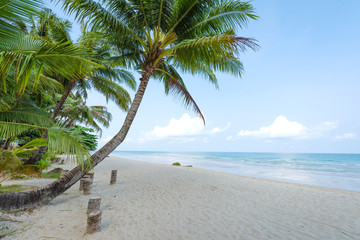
x: 43, y: 195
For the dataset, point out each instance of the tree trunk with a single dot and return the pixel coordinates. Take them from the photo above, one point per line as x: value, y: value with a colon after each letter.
x: 36, y: 156
x: 63, y: 99
x: 43, y: 195
x: 7, y: 143
x: 70, y: 123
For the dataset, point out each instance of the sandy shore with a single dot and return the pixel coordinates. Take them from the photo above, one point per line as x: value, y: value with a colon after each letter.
x: 154, y: 201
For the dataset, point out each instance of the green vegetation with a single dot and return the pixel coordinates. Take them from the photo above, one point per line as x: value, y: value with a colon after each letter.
x: 176, y: 164
x: 44, y: 163
x: 50, y: 175
x: 89, y: 140
x: 44, y: 79
x: 55, y: 173
x: 15, y: 188
x: 11, y: 163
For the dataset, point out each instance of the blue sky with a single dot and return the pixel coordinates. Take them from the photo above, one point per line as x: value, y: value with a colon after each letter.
x: 299, y: 92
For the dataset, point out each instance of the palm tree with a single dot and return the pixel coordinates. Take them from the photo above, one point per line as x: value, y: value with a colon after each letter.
x: 161, y: 39
x: 49, y: 26
x: 29, y: 62
x: 26, y: 116
x: 75, y: 111
x: 26, y: 62
x: 104, y: 79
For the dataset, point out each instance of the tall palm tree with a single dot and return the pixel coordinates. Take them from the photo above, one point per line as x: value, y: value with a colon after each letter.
x: 167, y: 37
x: 161, y: 39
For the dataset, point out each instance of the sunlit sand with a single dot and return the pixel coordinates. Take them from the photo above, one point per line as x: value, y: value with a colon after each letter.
x: 154, y: 201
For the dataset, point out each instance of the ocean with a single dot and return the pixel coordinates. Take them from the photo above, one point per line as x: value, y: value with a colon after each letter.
x: 339, y: 171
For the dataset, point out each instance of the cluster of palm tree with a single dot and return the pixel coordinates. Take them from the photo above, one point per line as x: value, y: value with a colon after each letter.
x: 39, y: 63
x: 160, y: 39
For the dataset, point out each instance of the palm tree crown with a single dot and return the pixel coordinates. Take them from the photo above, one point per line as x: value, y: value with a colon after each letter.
x: 167, y: 37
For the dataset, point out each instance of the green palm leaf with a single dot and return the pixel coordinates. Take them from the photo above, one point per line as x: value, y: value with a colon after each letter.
x: 58, y: 140
x: 15, y: 11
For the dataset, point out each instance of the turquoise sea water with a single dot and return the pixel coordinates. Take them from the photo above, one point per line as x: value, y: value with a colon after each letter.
x: 341, y: 171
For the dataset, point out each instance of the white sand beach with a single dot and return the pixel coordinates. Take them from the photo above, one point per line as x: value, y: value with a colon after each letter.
x: 155, y: 201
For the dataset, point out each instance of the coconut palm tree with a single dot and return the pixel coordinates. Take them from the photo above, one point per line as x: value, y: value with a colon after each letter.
x: 26, y: 116
x: 104, y: 79
x: 165, y: 38
x: 76, y: 111
x: 49, y: 26
x: 29, y: 62
x: 160, y: 39
x: 31, y: 58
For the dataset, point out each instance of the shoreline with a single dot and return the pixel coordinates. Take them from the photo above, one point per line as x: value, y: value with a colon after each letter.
x: 158, y: 201
x: 283, y: 180
x: 44, y: 181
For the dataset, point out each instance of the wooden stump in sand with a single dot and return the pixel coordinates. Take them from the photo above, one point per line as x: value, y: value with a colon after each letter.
x: 82, y: 180
x: 93, y: 205
x: 86, y: 186
x: 63, y: 172
x: 113, y: 177
x: 93, y: 222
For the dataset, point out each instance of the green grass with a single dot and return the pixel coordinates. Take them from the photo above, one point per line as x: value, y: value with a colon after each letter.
x: 14, y: 188
x: 16, y: 211
x: 50, y: 175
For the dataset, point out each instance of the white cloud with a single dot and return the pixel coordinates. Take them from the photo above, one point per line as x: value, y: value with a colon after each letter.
x: 219, y: 130
x: 326, y: 126
x: 182, y: 140
x: 284, y: 128
x: 185, y: 126
x: 281, y: 128
x: 345, y: 136
x: 321, y: 129
x: 229, y: 138
x: 184, y: 129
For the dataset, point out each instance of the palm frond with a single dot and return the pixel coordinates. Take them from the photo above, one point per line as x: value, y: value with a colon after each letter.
x: 225, y: 15
x: 37, y: 142
x: 15, y: 11
x: 25, y: 111
x: 11, y: 166
x: 114, y: 91
x: 174, y: 85
x: 27, y: 54
x: 98, y: 15
x: 58, y: 140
